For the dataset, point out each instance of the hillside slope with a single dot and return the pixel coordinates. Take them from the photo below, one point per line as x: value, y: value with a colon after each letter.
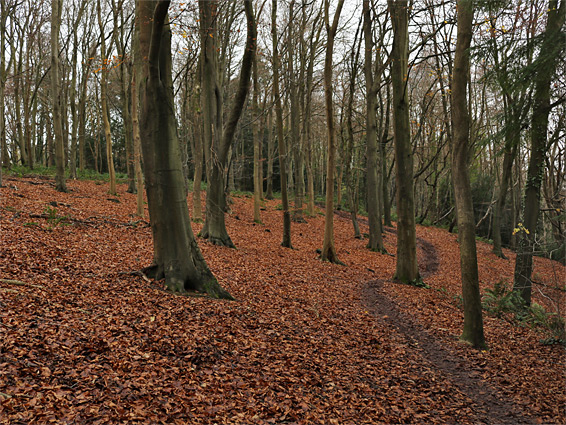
x: 83, y: 339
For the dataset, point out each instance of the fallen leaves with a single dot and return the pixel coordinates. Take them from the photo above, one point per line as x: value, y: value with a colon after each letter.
x: 96, y: 343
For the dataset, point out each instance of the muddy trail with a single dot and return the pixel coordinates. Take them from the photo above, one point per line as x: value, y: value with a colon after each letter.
x: 488, y: 405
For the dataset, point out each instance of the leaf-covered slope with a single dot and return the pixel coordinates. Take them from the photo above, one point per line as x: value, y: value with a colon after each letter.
x: 306, y: 342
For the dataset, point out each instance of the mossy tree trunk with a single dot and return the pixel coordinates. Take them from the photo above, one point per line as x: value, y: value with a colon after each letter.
x: 553, y: 41
x: 177, y: 257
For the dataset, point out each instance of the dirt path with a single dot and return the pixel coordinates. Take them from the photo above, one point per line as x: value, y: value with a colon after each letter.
x: 489, y: 407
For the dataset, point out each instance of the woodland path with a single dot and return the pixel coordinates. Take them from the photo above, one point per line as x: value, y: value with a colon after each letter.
x: 489, y: 408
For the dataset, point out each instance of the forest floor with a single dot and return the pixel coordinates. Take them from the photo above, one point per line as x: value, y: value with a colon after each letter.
x: 84, y: 339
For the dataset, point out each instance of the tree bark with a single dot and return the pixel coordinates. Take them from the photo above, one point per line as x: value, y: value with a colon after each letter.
x: 177, y: 257
x: 328, y: 248
x: 547, y: 59
x: 257, y: 144
x: 295, y: 119
x: 507, y: 169
x: 279, y: 123
x: 270, y: 152
x: 407, y: 268
x: 60, y: 182
x: 214, y: 228
x: 473, y: 321
x: 137, y: 146
x: 375, y: 242
x: 384, y: 175
x: 104, y: 103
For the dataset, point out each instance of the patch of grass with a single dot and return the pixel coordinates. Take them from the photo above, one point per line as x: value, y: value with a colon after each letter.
x: 483, y: 239
x: 25, y: 171
x: 241, y: 194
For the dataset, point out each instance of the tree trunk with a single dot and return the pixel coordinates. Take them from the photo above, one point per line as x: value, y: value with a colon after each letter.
x: 125, y: 93
x: 406, y: 269
x: 547, y: 59
x: 506, y: 174
x: 375, y: 242
x: 328, y: 248
x: 279, y: 123
x: 104, y: 104
x: 384, y: 176
x: 177, y: 257
x: 214, y: 228
x: 197, y: 159
x: 137, y: 144
x: 3, y: 145
x: 60, y: 182
x: 270, y: 152
x: 257, y: 144
x: 295, y: 120
x: 473, y: 321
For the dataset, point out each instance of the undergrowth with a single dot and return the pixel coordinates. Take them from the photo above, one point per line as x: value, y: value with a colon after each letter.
x: 502, y: 302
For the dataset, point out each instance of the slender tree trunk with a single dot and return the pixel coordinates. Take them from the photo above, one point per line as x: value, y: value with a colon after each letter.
x: 128, y: 130
x: 257, y: 144
x: 375, y: 242
x: 295, y: 120
x: 384, y: 175
x: 74, y: 113
x: 328, y: 248
x: 3, y: 145
x: 548, y: 60
x: 406, y: 269
x: 137, y: 145
x: 279, y: 123
x: 350, y: 159
x: 60, y: 182
x: 473, y: 321
x: 104, y: 103
x: 197, y: 159
x: 508, y: 158
x: 270, y: 152
x: 82, y: 115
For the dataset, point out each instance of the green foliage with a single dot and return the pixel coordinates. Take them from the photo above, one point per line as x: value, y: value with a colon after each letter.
x: 502, y: 302
x: 241, y: 194
x: 499, y: 300
x: 55, y: 219
x: 24, y: 171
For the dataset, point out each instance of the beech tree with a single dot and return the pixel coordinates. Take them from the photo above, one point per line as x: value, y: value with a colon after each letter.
x: 473, y: 322
x: 218, y: 137
x: 406, y: 269
x: 328, y: 248
x: 60, y: 182
x: 105, y: 65
x: 177, y: 257
x: 373, y: 160
x: 279, y: 125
